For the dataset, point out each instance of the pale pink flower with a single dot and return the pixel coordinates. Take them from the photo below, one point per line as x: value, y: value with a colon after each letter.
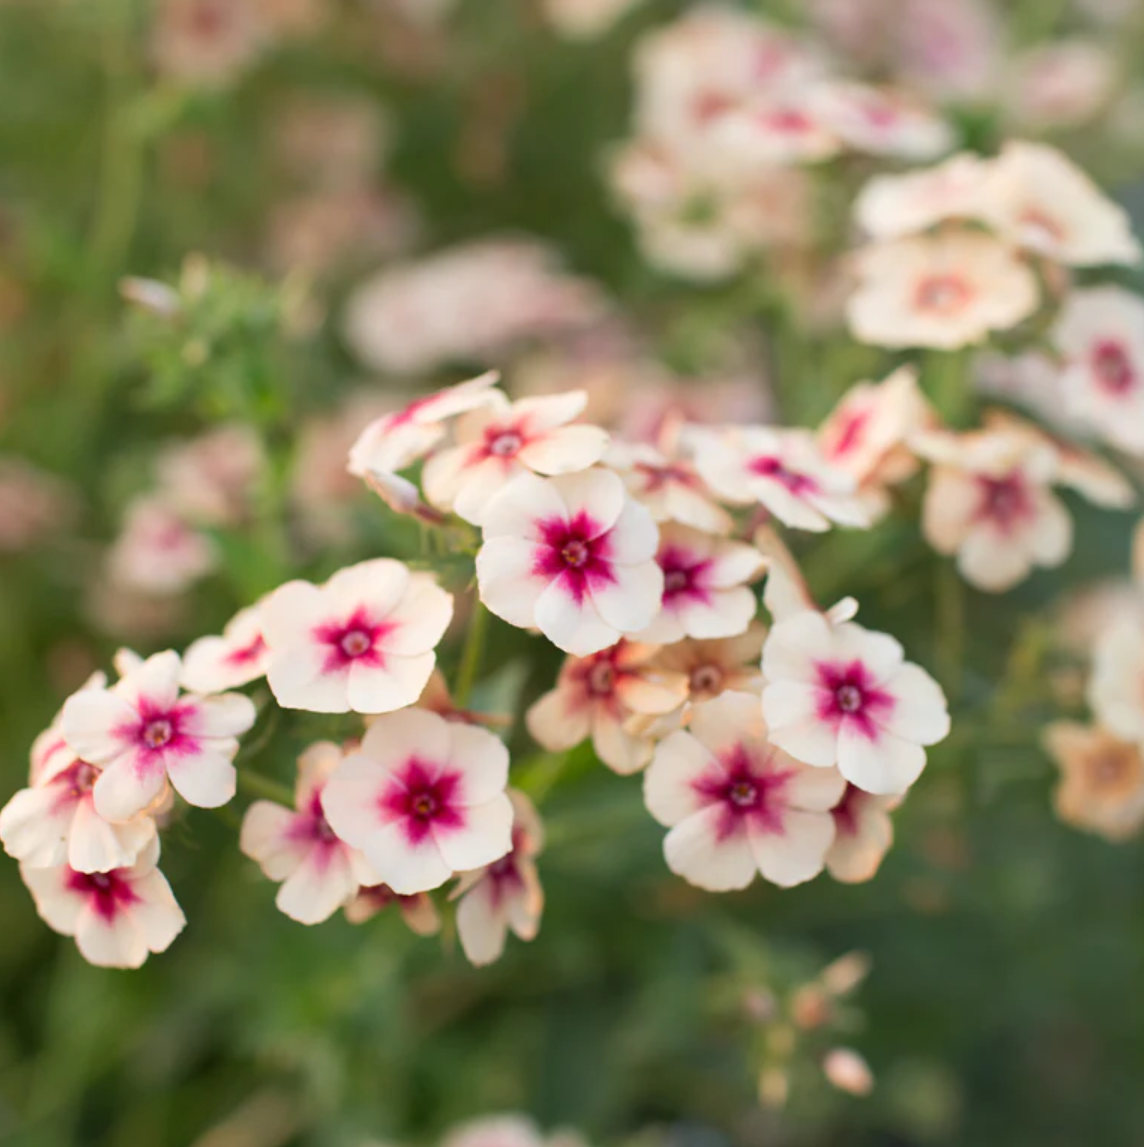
x: 848, y: 1071
x: 505, y: 895
x: 945, y: 291
x: 1042, y: 201
x: 585, y: 19
x: 881, y: 121
x: 897, y: 205
x: 706, y: 586
x: 572, y: 556
x: 157, y: 551
x: 1061, y: 84
x: 364, y: 641
x: 990, y: 501
x: 395, y: 441
x: 33, y: 504
x: 780, y: 128
x: 496, y: 443
x: 418, y: 911
x: 1101, y: 785
x: 54, y: 821
x: 422, y: 798
x: 596, y: 696
x: 841, y: 695
x: 207, y: 42
x: 297, y: 848
x: 142, y: 733
x: 863, y: 833
x: 211, y: 480
x: 784, y: 471
x: 117, y: 918
x: 1116, y: 688
x: 951, y: 49
x: 1100, y: 333
x: 736, y: 804
x: 669, y: 487
x: 237, y: 657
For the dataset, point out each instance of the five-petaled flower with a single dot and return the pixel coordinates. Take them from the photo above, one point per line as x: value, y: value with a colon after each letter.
x: 495, y: 443
x: 505, y: 895
x: 736, y: 804
x: 572, y: 556
x: 364, y: 641
x: 422, y: 798
x: 1101, y: 786
x: 116, y: 917
x: 839, y: 694
x: 143, y: 732
x: 318, y: 872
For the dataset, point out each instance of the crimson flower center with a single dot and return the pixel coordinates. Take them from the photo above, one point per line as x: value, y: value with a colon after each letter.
x: 83, y: 778
x: 676, y: 581
x: 576, y: 553
x: 505, y: 444
x: 1112, y: 367
x: 158, y: 733
x: 423, y: 805
x: 743, y: 794
x: 849, y: 698
x: 355, y: 643
x: 602, y: 679
x: 706, y: 679
x: 1004, y: 499
x: 767, y: 466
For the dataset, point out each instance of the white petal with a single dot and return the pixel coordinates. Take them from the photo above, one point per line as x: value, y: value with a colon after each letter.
x: 391, y: 741
x: 318, y: 887
x: 814, y: 789
x: 485, y: 836
x: 158, y: 914
x: 34, y: 826
x: 482, y: 761
x: 299, y: 679
x: 565, y: 450
x: 481, y: 926
x: 620, y: 751
x: 797, y: 852
x: 97, y: 846
x: 349, y: 800
x: 406, y: 867
x: 881, y: 764
x: 206, y: 780
x: 573, y: 626
x: 128, y: 787
x: 266, y: 838
x: 631, y: 602
x: 223, y: 715
x: 669, y: 783
x: 919, y: 712
x: 90, y: 722
x: 115, y: 943
x: 693, y: 849
x: 509, y: 585
x: 421, y: 617
x: 398, y: 682
x: 597, y: 494
x: 559, y: 720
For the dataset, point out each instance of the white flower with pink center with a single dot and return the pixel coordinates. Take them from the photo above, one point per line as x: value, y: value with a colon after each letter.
x: 784, y: 471
x: 363, y: 642
x: 1100, y: 333
x: 841, y: 695
x: 863, y: 834
x: 670, y: 488
x: 496, y: 443
x: 779, y: 129
x: 503, y: 896
x: 157, y: 551
x: 596, y: 696
x: 736, y: 804
x: 418, y: 911
x: 706, y: 586
x: 572, y: 556
x: 237, y: 657
x: 297, y: 848
x: 946, y: 291
x: 880, y: 121
x: 117, y: 918
x: 54, y: 822
x: 990, y: 501
x: 1042, y: 201
x: 143, y: 732
x: 395, y: 441
x: 422, y: 798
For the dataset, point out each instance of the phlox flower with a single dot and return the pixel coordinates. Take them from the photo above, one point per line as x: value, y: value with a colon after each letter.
x: 945, y: 291
x: 297, y: 848
x: 422, y: 798
x: 585, y: 19
x: 1100, y: 333
x: 706, y: 586
x: 237, y: 657
x: 572, y: 556
x: 157, y: 551
x: 775, y: 129
x: 1063, y: 83
x: 990, y: 501
x: 1101, y: 785
x: 395, y: 441
x: 863, y: 833
x: 1042, y: 201
x: 505, y: 895
x: 211, y: 479
x: 596, y: 696
x: 418, y: 911
x: 894, y: 206
x: 736, y: 804
x: 669, y: 487
x: 116, y: 917
x: 364, y: 641
x: 1116, y: 687
x: 143, y: 732
x: 496, y: 443
x: 784, y: 471
x: 841, y: 695
x: 880, y: 121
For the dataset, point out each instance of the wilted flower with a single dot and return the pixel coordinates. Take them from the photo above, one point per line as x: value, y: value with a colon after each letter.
x: 839, y: 694
x: 503, y: 895
x: 239, y: 656
x: 422, y: 798
x: 418, y: 911
x: 364, y: 641
x: 1102, y: 779
x: 596, y: 696
x: 736, y: 804
x: 572, y: 556
x: 117, y: 918
x: 296, y: 847
x: 143, y: 732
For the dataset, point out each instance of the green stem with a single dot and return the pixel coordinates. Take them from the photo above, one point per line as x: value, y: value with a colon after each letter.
x: 950, y: 594
x: 947, y: 382
x: 471, y: 656
x: 257, y: 785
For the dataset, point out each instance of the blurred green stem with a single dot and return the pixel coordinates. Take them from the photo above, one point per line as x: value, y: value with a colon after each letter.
x: 471, y: 655
x: 257, y: 785
x: 945, y: 377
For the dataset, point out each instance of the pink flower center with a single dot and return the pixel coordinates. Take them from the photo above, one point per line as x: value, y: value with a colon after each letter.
x: 684, y: 575
x: 1040, y: 226
x: 423, y: 798
x: 743, y: 794
x: 787, y: 121
x: 1112, y: 367
x: 656, y: 477
x: 1004, y: 501
x: 768, y: 466
x: 602, y: 679
x: 355, y: 643
x: 746, y: 787
x: 83, y: 778
x: 849, y: 695
x: 503, y: 443
x: 352, y: 641
x: 158, y: 733
x: 851, y: 432
x: 575, y: 551
x: 108, y: 893
x: 707, y: 679
x: 845, y: 813
x: 247, y: 653
x: 942, y: 294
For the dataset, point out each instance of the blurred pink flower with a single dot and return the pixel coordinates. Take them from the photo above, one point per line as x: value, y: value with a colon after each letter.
x: 1101, y: 785
x: 211, y: 480
x: 237, y: 657
x: 207, y: 42
x: 1060, y: 84
x: 157, y: 551
x: 33, y: 504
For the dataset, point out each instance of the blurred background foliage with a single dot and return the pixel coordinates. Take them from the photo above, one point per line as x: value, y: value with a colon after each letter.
x: 1003, y: 1003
